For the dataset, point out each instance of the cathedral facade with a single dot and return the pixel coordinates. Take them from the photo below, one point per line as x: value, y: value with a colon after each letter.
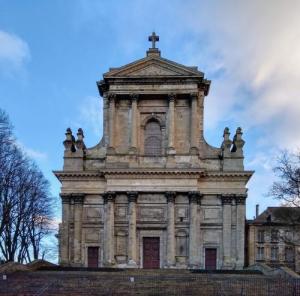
x: 153, y: 193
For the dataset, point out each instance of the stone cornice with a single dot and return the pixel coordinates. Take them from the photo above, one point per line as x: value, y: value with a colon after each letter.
x: 142, y: 173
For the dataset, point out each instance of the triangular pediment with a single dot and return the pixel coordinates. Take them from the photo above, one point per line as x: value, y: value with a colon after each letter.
x: 153, y: 67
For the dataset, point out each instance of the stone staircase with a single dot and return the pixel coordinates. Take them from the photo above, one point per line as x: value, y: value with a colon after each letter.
x: 143, y: 282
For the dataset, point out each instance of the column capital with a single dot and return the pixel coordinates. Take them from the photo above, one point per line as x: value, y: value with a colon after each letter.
x: 109, y: 196
x: 240, y: 199
x: 132, y: 196
x: 193, y: 95
x: 111, y: 96
x: 170, y: 195
x: 65, y: 197
x: 171, y: 97
x: 227, y: 199
x: 194, y: 196
x: 78, y: 198
x: 134, y: 97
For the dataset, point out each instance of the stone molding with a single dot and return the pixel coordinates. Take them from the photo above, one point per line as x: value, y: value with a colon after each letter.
x: 78, y: 198
x: 109, y: 196
x: 170, y: 195
x: 194, y: 197
x: 65, y: 198
x: 132, y: 196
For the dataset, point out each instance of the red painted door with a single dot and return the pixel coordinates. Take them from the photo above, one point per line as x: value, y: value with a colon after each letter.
x: 93, y: 253
x: 210, y: 259
x: 151, y: 252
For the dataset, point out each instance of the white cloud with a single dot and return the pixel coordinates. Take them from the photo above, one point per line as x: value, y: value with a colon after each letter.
x: 32, y: 153
x: 14, y: 52
x: 257, y: 45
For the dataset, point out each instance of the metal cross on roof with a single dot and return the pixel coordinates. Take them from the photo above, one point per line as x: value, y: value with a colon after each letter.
x: 153, y: 38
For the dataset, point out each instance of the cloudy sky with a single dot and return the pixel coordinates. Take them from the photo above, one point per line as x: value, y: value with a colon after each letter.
x: 53, y: 52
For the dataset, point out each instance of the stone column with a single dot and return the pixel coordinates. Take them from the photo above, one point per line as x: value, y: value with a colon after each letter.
x: 112, y: 122
x: 240, y: 230
x: 226, y: 202
x: 132, y: 256
x: 133, y: 148
x: 194, y: 259
x: 78, y: 207
x: 108, y: 246
x: 64, y: 230
x: 194, y: 127
x: 171, y: 129
x: 171, y: 229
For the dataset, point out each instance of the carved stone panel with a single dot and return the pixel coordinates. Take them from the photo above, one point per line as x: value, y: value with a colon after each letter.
x: 153, y: 213
x: 92, y: 214
x: 92, y: 235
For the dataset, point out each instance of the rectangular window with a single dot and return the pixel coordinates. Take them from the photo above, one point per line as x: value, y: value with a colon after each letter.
x: 260, y: 254
x: 289, y: 254
x: 274, y: 236
x: 274, y: 253
x: 261, y: 236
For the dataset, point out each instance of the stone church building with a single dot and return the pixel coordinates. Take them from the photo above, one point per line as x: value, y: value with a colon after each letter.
x: 153, y: 193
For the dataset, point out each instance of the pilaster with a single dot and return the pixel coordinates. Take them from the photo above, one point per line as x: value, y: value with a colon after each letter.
x: 78, y: 207
x: 112, y: 98
x: 240, y: 201
x: 227, y: 202
x: 194, y: 258
x: 109, y: 256
x: 132, y: 255
x: 171, y: 229
x: 194, y: 127
x: 64, y: 239
x: 171, y: 135
x: 133, y: 148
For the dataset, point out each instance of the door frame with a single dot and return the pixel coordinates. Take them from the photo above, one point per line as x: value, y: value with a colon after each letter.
x: 151, y: 233
x: 211, y: 246
x: 87, y: 254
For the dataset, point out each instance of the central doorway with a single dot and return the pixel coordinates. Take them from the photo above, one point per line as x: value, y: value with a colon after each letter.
x: 210, y: 259
x: 151, y: 252
x: 93, y: 257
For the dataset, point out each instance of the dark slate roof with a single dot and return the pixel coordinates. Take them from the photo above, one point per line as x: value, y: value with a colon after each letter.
x: 281, y: 215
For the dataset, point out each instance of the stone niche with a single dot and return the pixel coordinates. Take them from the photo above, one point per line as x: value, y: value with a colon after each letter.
x: 181, y: 246
x: 121, y: 246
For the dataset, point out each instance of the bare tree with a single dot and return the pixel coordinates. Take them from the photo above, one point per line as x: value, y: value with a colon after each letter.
x: 287, y: 188
x: 25, y: 202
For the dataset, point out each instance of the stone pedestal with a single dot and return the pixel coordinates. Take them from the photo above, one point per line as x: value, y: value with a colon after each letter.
x: 132, y: 256
x: 171, y: 229
x: 194, y: 259
x: 109, y: 198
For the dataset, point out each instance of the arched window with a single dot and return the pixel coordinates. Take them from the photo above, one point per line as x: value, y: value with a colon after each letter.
x: 153, y: 138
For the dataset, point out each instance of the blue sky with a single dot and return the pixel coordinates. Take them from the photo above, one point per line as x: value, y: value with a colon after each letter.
x: 53, y: 52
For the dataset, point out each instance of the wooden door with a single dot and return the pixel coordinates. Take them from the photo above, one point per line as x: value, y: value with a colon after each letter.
x: 151, y: 252
x: 93, y: 256
x: 210, y: 259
